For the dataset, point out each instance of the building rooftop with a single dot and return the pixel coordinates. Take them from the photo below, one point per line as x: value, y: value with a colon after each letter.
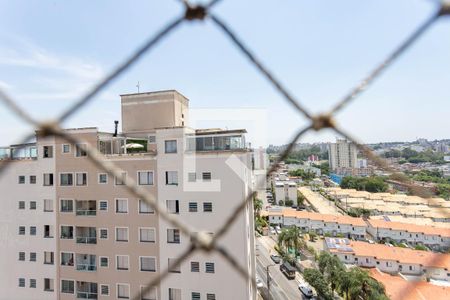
x: 397, y: 288
x: 383, y: 252
x: 323, y: 217
x: 413, y: 228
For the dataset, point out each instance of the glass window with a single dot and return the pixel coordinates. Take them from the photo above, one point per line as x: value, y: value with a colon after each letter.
x: 102, y: 178
x: 173, y: 236
x: 21, y: 204
x: 192, y: 177
x: 81, y: 179
x: 66, y: 179
x: 67, y: 286
x: 32, y: 256
x: 207, y: 206
x: 147, y: 235
x: 210, y: 296
x: 66, y: 148
x: 145, y: 208
x: 121, y: 205
x: 209, y: 267
x: 172, y: 267
x: 145, y: 178
x: 21, y: 282
x: 122, y: 262
x: 48, y: 285
x: 121, y: 180
x: 81, y: 150
x: 32, y: 179
x: 192, y: 206
x: 48, y: 205
x: 174, y: 294
x: 148, y: 264
x: 171, y: 178
x: 122, y: 234
x: 21, y: 179
x: 123, y: 291
x: 103, y: 205
x: 195, y: 266
x: 32, y: 230
x: 104, y: 262
x: 151, y: 139
x: 173, y: 206
x: 66, y: 205
x: 33, y: 283
x: 66, y: 232
x: 206, y: 176
x: 103, y: 233
x: 195, y: 296
x: 22, y: 256
x: 48, y: 257
x: 66, y: 259
x: 21, y: 230
x: 171, y: 146
x: 48, y: 152
x: 33, y: 205
x: 104, y: 289
x: 48, y: 179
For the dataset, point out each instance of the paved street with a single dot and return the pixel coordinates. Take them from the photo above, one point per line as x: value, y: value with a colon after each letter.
x: 280, y: 287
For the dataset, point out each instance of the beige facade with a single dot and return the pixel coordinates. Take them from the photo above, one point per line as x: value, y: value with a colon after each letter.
x: 106, y: 243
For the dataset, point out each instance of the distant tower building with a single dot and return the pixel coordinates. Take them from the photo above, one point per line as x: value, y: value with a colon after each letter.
x: 442, y: 148
x: 342, y: 154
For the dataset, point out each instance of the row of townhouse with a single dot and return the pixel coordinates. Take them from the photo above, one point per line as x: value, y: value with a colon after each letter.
x: 434, y: 237
x: 391, y: 260
x: 320, y: 223
x: 70, y: 231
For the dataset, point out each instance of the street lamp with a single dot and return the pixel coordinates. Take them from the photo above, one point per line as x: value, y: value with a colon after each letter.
x: 268, y: 281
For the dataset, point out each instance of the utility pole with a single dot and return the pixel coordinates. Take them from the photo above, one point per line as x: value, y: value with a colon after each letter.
x: 268, y: 281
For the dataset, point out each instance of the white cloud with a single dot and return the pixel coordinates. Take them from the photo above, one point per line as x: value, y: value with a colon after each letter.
x: 5, y: 86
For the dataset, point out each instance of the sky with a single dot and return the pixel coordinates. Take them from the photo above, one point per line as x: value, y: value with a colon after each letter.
x: 52, y: 52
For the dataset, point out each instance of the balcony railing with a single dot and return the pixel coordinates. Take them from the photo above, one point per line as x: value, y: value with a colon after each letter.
x: 86, y: 212
x: 86, y: 267
x: 86, y: 295
x: 86, y: 240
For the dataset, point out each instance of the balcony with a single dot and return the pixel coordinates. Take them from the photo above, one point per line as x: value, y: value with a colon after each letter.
x: 125, y: 146
x: 86, y: 208
x: 216, y: 142
x: 86, y: 290
x: 18, y: 152
x: 86, y: 235
x: 86, y: 262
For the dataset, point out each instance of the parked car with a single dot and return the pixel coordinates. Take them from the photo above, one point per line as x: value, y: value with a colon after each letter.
x: 306, y: 289
x: 370, y: 242
x: 272, y: 230
x: 259, y: 283
x: 276, y: 258
x: 389, y: 244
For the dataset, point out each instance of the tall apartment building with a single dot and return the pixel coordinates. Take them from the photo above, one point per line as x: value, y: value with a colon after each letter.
x: 342, y: 155
x: 70, y: 231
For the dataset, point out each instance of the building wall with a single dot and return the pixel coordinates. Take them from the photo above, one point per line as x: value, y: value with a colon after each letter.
x: 109, y: 220
x: 11, y: 218
x: 226, y: 190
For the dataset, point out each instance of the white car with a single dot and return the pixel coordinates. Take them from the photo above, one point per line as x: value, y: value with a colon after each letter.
x: 259, y: 283
x: 272, y: 230
x: 278, y: 229
x: 306, y: 289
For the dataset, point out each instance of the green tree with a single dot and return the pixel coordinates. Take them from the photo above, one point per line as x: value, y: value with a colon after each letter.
x: 300, y: 198
x: 330, y: 266
x: 373, y: 184
x: 324, y: 168
x: 291, y: 238
x: 318, y: 282
x: 420, y: 247
x: 257, y: 206
x: 288, y: 202
x: 360, y: 285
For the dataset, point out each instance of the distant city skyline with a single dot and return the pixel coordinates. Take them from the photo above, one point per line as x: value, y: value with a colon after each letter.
x: 53, y: 52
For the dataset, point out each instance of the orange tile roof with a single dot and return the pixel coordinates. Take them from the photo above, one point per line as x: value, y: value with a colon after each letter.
x: 397, y: 288
x: 402, y: 255
x: 323, y: 217
x: 410, y: 227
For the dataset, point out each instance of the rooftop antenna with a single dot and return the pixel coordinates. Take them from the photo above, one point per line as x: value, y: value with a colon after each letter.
x: 138, y: 85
